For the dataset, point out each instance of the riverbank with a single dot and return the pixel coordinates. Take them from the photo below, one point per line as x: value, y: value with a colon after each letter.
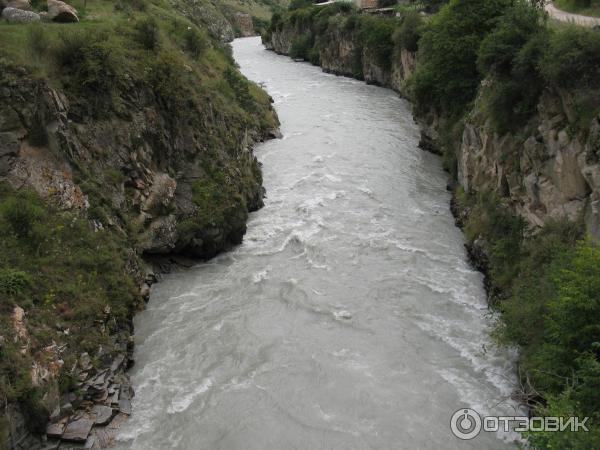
x: 125, y: 136
x: 522, y: 170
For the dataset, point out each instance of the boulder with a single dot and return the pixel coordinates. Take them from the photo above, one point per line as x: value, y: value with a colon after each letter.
x: 61, y: 12
x: 19, y: 4
x: 14, y: 15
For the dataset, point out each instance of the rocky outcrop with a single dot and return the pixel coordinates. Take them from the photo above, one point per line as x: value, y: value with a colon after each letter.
x: 143, y: 168
x: 544, y: 171
x: 343, y: 53
x: 14, y: 15
x: 61, y: 12
x: 243, y: 24
x: 142, y: 175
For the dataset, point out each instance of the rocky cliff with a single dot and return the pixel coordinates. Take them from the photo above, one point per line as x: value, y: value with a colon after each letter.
x: 123, y: 142
x: 343, y: 52
x: 544, y: 170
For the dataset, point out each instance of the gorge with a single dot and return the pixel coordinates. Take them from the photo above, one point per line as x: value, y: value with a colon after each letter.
x: 137, y: 144
x: 348, y: 318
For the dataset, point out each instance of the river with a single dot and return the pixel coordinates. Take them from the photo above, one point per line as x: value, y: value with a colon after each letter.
x: 349, y: 318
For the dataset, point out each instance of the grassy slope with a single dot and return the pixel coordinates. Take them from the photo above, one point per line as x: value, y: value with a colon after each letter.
x: 74, y: 283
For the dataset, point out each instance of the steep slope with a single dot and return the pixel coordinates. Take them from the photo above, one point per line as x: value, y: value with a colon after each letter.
x: 124, y: 137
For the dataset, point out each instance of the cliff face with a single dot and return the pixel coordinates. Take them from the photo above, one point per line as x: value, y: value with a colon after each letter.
x: 123, y: 143
x: 132, y: 169
x: 543, y: 170
x: 343, y: 53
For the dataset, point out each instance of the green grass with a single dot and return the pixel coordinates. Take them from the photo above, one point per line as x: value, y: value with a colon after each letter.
x: 53, y: 263
x: 65, y: 276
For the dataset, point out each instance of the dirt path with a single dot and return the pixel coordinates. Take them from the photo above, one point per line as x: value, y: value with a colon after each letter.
x: 564, y: 16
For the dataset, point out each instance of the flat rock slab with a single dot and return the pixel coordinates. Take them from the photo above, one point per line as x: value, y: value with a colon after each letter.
x: 103, y: 414
x: 55, y: 430
x: 125, y: 406
x: 78, y: 430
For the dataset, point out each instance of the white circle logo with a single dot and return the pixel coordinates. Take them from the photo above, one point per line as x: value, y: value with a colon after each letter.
x: 465, y: 424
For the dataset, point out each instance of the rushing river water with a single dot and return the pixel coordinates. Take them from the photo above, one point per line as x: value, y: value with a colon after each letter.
x: 348, y: 319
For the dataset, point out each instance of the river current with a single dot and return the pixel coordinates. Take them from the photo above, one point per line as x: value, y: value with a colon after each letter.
x: 349, y: 318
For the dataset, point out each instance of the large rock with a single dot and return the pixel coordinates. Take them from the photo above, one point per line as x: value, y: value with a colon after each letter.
x: 61, y: 12
x: 19, y: 4
x: 14, y: 15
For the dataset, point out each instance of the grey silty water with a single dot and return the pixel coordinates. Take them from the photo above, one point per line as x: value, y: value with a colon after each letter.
x: 349, y: 318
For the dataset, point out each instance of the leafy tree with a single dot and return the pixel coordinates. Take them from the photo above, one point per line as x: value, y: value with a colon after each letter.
x: 448, y: 77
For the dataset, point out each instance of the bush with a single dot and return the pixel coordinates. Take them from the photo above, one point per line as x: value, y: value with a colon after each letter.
x: 195, y: 41
x: 239, y: 85
x: 147, y: 33
x: 167, y: 77
x: 93, y: 64
x: 37, y: 39
x: 299, y: 4
x: 21, y: 214
x: 407, y: 35
x: 376, y: 36
x: 447, y: 78
x: 573, y: 58
x: 13, y: 282
x: 514, y: 29
x: 301, y: 46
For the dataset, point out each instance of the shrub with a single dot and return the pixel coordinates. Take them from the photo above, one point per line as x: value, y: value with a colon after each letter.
x: 22, y: 214
x: 195, y: 41
x: 13, y: 282
x: 239, y: 85
x: 147, y: 33
x: 447, y: 78
x: 37, y: 39
x: 376, y: 35
x: 573, y: 58
x: 301, y: 46
x: 407, y: 35
x: 167, y: 77
x: 299, y: 4
x: 514, y: 28
x: 94, y: 65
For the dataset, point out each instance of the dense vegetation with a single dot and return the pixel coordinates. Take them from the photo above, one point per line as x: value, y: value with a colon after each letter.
x: 71, y: 280
x: 546, y: 285
x: 377, y: 36
x: 547, y: 288
x: 74, y: 273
